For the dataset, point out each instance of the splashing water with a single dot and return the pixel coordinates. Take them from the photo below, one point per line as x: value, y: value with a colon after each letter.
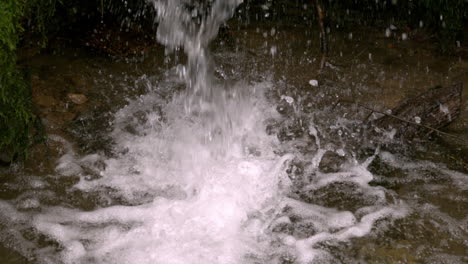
x: 192, y: 25
x: 198, y: 209
x: 166, y: 196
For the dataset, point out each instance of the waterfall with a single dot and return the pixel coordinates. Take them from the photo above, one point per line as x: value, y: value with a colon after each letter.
x: 192, y: 25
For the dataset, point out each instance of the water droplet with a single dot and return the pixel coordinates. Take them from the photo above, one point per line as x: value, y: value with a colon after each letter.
x: 273, y: 50
x: 313, y: 83
x: 388, y: 32
x: 288, y: 99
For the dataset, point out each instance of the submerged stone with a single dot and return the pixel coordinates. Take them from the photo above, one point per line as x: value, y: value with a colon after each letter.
x: 77, y: 98
x: 331, y: 162
x: 45, y: 100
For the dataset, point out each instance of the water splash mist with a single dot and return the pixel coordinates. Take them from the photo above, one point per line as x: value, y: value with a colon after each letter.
x: 165, y: 195
x: 192, y: 25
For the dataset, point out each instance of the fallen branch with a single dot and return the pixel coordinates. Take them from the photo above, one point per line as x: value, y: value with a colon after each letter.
x: 323, y: 34
x: 428, y: 107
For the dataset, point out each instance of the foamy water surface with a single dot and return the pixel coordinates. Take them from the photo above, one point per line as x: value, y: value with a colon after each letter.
x: 176, y: 197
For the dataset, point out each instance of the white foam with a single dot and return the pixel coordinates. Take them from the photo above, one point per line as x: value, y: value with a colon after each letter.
x: 193, y: 200
x: 224, y: 203
x: 323, y: 218
x: 29, y: 203
x: 306, y: 250
x: 460, y: 180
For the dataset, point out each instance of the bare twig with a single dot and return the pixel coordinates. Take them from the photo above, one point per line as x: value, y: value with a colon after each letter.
x: 404, y: 120
x: 102, y: 10
x: 323, y: 34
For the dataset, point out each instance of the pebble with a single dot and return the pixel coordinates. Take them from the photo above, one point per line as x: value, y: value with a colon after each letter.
x: 45, y: 100
x: 77, y: 98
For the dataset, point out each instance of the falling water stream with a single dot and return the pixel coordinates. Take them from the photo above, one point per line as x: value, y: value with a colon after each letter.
x: 192, y: 25
x: 196, y: 178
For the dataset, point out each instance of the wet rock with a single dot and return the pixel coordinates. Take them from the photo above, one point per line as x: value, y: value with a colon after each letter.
x: 304, y: 229
x: 389, y: 253
x: 92, y: 167
x: 290, y: 130
x: 28, y: 204
x: 5, y: 158
x: 37, y: 85
x: 78, y: 81
x: 285, y: 108
x: 285, y: 228
x: 331, y: 162
x: 272, y: 127
x: 77, y: 98
x: 295, y: 171
x: 45, y: 100
x: 435, y: 108
x: 59, y: 119
x: 340, y: 195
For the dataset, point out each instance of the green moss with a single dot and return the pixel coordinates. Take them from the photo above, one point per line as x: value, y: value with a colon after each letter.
x: 37, y: 17
x: 16, y: 116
